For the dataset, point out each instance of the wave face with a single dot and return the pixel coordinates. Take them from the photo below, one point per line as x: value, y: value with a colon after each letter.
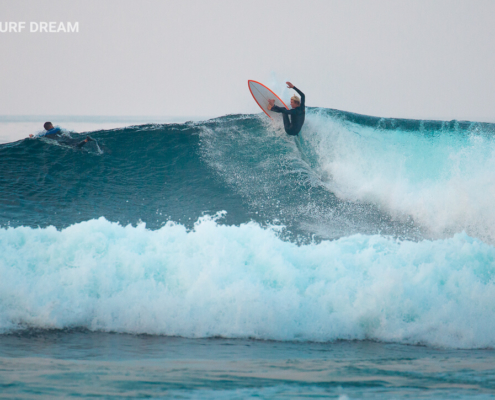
x: 361, y: 228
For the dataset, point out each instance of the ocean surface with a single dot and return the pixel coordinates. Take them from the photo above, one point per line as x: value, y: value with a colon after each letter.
x: 224, y: 259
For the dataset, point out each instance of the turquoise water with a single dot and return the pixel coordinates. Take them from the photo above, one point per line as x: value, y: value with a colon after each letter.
x: 62, y: 364
x: 224, y: 259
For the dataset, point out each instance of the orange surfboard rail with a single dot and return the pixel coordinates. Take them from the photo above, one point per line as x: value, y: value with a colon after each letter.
x: 271, y: 91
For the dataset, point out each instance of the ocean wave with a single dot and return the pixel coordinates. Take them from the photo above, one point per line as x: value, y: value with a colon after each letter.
x: 345, y: 174
x: 245, y: 282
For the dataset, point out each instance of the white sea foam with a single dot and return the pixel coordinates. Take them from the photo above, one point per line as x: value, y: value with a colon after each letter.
x: 244, y: 281
x: 445, y: 181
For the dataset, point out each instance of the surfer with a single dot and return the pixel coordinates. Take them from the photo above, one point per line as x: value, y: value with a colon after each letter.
x: 51, y: 131
x: 55, y: 133
x: 297, y: 114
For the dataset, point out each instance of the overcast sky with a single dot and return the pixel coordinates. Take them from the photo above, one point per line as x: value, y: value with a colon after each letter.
x: 413, y: 59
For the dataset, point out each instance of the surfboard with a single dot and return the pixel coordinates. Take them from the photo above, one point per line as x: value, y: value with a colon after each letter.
x: 262, y: 94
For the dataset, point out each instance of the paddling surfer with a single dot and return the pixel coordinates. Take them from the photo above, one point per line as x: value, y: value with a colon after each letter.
x: 297, y: 114
x: 55, y: 133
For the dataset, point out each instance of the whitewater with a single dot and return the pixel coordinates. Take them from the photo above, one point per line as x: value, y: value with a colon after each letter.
x: 362, y: 229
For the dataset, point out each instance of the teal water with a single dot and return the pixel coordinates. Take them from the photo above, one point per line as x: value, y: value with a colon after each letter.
x: 85, y: 364
x: 222, y: 258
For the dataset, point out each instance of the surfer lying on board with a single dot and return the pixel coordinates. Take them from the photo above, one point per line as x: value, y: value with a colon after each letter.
x: 297, y: 114
x: 56, y: 133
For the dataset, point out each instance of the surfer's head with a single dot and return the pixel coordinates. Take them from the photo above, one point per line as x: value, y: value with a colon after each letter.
x: 295, y: 101
x: 48, y: 126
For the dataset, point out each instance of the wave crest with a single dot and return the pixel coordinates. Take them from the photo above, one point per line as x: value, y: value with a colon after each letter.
x: 245, y: 282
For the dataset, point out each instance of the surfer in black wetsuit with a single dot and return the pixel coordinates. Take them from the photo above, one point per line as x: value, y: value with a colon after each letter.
x: 55, y: 133
x: 297, y: 114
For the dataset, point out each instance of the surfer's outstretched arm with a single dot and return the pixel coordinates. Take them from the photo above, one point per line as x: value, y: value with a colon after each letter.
x: 303, y: 97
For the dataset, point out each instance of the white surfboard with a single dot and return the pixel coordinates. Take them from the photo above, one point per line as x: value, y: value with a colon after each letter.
x: 262, y: 94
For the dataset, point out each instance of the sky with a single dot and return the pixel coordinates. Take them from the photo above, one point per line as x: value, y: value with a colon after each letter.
x: 423, y: 59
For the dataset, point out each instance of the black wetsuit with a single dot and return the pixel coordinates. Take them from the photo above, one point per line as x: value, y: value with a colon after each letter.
x: 297, y: 115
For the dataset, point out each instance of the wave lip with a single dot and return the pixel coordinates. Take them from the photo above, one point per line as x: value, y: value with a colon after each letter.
x: 244, y: 282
